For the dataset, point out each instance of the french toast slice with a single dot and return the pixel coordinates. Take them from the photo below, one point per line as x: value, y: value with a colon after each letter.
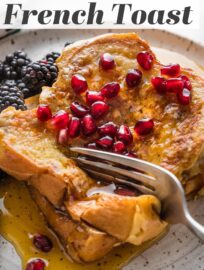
x: 29, y: 152
x: 178, y: 137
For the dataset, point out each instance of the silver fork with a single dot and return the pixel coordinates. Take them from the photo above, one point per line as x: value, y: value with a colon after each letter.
x: 145, y: 177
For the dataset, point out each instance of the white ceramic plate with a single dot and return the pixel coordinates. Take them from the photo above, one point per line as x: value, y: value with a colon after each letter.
x: 180, y: 249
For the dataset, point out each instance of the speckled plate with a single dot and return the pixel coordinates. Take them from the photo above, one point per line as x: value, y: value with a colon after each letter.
x: 180, y: 249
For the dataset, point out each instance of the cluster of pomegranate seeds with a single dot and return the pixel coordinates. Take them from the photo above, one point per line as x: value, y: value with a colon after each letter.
x: 78, y: 109
x: 36, y: 264
x: 83, y: 118
x: 145, y: 60
x: 74, y: 127
x: 93, y: 96
x: 125, y: 192
x: 172, y: 70
x: 144, y: 126
x: 124, y: 134
x: 99, y: 109
x: 105, y: 142
x: 119, y: 147
x: 44, y: 113
x: 107, y: 61
x: 42, y: 242
x: 79, y: 84
x: 133, y: 78
x: 108, y: 129
x: 179, y: 85
x: 110, y: 90
x: 88, y: 125
x: 60, y: 120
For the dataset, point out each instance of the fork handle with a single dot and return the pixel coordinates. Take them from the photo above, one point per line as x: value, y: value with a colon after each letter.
x: 194, y: 226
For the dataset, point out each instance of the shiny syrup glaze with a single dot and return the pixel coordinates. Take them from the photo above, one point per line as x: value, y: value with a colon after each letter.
x: 20, y: 219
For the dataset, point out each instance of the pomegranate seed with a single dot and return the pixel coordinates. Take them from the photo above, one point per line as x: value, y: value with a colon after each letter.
x: 44, y: 113
x: 88, y: 125
x: 99, y: 109
x: 119, y: 147
x: 42, y: 242
x: 79, y: 83
x: 145, y: 60
x: 60, y: 120
x: 124, y: 134
x: 105, y: 142
x: 125, y: 192
x: 107, y: 61
x: 78, y: 109
x: 93, y: 96
x: 133, y: 77
x: 171, y: 70
x: 144, y: 126
x: 174, y: 85
x: 186, y: 81
x: 130, y: 154
x: 91, y: 146
x: 110, y: 90
x: 109, y: 129
x: 74, y: 127
x: 159, y: 84
x: 36, y: 264
x: 63, y: 136
x: 184, y: 96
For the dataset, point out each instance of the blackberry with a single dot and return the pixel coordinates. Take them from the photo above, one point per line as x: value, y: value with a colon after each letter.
x: 38, y: 74
x: 24, y: 89
x: 12, y: 66
x: 52, y: 57
x: 10, y: 95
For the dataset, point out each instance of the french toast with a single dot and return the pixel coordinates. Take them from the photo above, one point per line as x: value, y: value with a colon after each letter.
x: 30, y: 152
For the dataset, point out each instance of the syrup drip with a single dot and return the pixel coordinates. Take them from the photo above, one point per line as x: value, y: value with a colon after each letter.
x: 20, y: 220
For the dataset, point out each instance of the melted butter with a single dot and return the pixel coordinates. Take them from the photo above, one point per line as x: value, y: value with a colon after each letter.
x: 20, y: 219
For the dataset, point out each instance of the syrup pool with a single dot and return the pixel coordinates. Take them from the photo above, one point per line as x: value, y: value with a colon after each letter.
x: 20, y: 219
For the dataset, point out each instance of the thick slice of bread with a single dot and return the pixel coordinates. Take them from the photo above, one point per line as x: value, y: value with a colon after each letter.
x: 178, y: 136
x: 83, y: 243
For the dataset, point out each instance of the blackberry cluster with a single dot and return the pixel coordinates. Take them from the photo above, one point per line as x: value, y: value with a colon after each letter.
x: 10, y: 95
x: 12, y: 66
x: 52, y: 57
x: 38, y: 74
x: 20, y: 78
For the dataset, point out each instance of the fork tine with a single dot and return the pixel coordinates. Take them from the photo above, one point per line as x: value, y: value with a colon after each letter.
x: 105, y: 177
x: 142, y: 178
x: 120, y: 159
